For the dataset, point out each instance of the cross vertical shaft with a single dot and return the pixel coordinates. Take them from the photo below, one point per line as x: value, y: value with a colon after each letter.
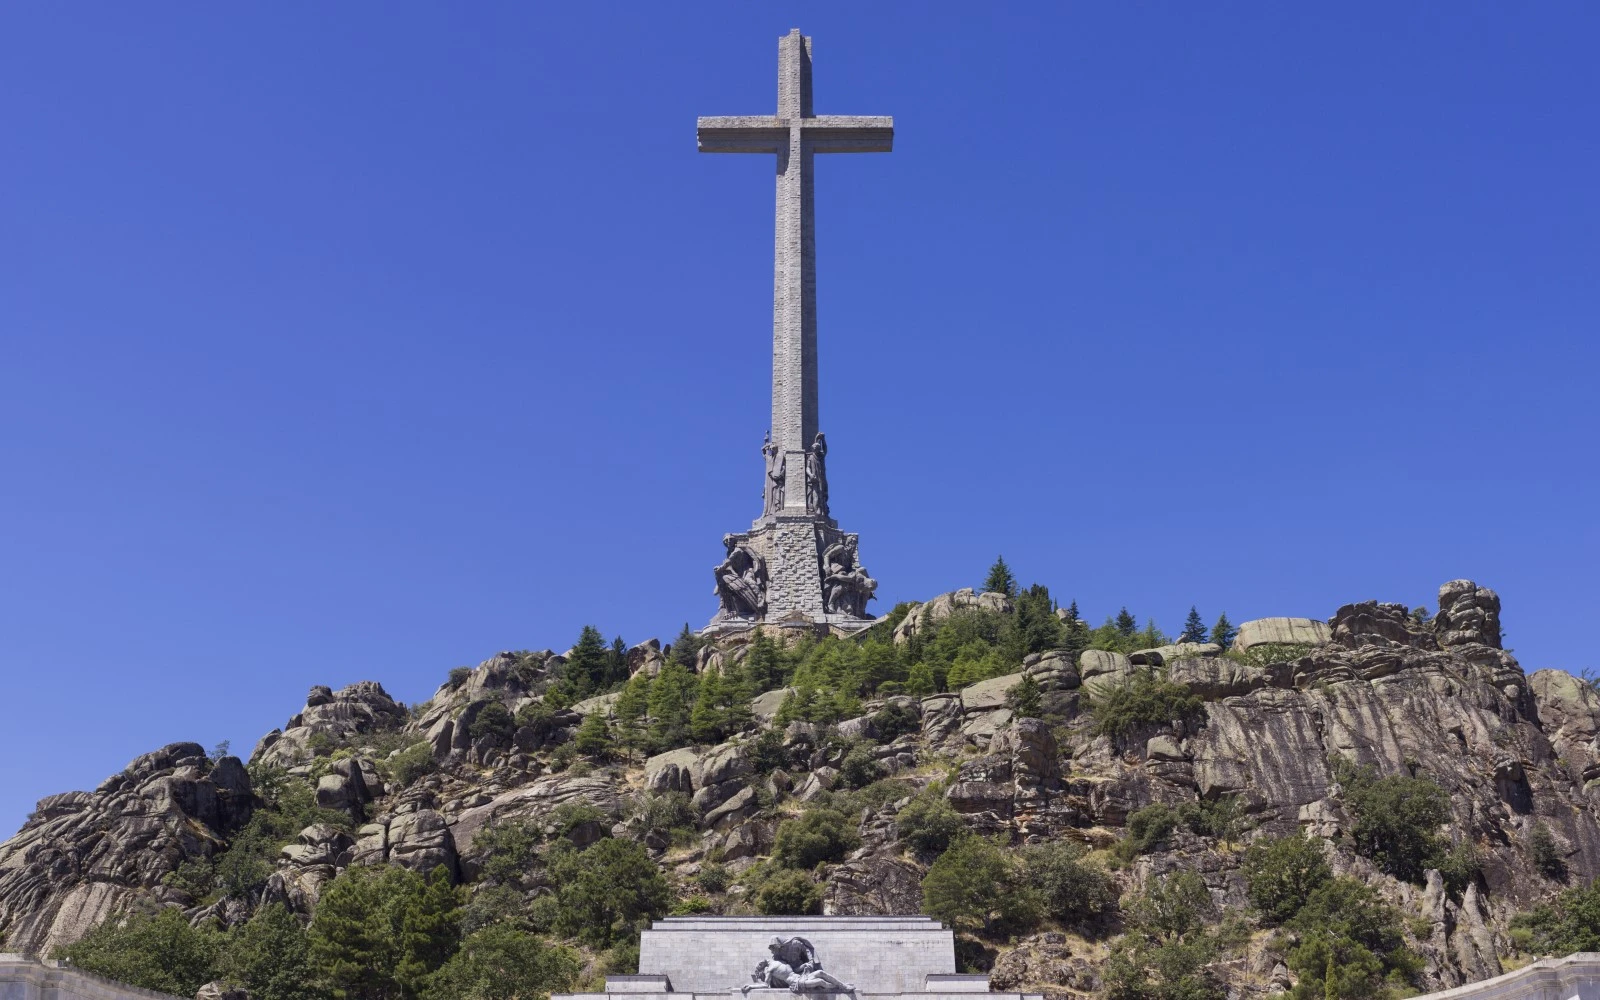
x: 794, y: 292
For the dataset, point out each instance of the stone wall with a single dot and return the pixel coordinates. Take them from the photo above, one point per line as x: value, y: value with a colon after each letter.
x: 25, y: 979
x: 1576, y: 977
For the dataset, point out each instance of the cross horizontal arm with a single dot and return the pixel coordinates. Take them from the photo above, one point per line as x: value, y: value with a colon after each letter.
x: 823, y: 134
x: 742, y: 134
x: 849, y: 133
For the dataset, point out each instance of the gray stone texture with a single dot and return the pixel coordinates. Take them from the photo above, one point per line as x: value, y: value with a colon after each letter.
x: 1282, y: 631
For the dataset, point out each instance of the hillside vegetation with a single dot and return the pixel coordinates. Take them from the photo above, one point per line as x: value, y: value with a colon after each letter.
x: 1375, y: 805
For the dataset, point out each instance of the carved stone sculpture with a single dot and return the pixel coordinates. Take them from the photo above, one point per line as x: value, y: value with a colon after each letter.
x: 775, y: 475
x: 817, y: 476
x: 846, y: 587
x: 794, y: 966
x: 741, y: 581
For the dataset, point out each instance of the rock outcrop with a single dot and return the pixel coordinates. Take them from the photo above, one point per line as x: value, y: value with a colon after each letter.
x: 84, y: 856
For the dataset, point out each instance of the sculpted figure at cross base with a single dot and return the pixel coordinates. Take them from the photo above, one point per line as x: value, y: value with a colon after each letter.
x: 794, y: 966
x: 775, y: 475
x: 817, y: 476
x: 741, y: 581
x: 846, y: 587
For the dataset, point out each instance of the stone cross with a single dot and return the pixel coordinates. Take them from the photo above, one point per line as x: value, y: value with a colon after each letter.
x: 794, y: 567
x: 794, y: 134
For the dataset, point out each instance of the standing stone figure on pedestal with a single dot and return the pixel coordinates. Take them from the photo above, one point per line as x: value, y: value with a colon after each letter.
x: 817, y: 476
x: 775, y: 474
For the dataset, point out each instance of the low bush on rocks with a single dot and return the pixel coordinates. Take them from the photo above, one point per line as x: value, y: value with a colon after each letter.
x: 929, y: 823
x: 1395, y: 822
x: 1146, y: 699
x: 818, y: 835
x: 789, y: 893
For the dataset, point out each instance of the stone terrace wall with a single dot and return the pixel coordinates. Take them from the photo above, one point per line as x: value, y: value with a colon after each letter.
x: 25, y: 979
x: 1576, y: 977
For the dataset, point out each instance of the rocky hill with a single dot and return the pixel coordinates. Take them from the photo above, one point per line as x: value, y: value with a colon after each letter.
x: 1157, y: 761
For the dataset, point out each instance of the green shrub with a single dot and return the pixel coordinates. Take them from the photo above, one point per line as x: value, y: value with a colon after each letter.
x: 928, y: 823
x: 819, y: 835
x: 412, y: 763
x: 859, y: 768
x: 268, y: 957
x: 713, y: 878
x: 503, y: 963
x: 606, y: 891
x: 975, y: 886
x: 663, y: 813
x: 1069, y: 889
x: 1351, y: 944
x: 1281, y: 873
x: 380, y: 930
x: 1166, y: 954
x: 1458, y: 866
x: 1219, y: 818
x: 458, y: 676
x: 594, y: 736
x: 1571, y: 923
x: 493, y: 719
x: 1544, y: 854
x: 507, y: 851
x: 1146, y: 699
x: 789, y: 893
x: 767, y: 753
x: 623, y: 958
x: 1148, y: 830
x: 1026, y: 698
x: 690, y: 906
x: 1395, y: 819
x: 895, y: 720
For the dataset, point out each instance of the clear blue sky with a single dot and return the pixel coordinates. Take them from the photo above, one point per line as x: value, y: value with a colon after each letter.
x: 366, y: 340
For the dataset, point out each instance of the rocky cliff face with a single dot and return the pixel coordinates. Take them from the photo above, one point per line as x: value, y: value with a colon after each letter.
x: 1373, y: 683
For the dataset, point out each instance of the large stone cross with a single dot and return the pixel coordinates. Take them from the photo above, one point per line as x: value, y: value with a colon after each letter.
x: 794, y: 134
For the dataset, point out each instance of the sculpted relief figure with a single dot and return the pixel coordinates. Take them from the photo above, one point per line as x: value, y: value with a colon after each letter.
x: 794, y: 966
x: 775, y: 475
x: 817, y: 475
x: 741, y: 581
x: 846, y: 587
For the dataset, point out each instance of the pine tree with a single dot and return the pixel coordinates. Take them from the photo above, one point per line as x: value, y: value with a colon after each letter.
x: 1194, y: 628
x: 686, y: 647
x: 1073, y: 619
x: 1127, y: 625
x: 616, y: 662
x: 919, y: 680
x: 671, y: 695
x: 764, y: 664
x: 430, y: 930
x: 594, y: 736
x: 630, y: 710
x: 706, y: 722
x: 1000, y: 580
x: 1223, y: 633
x: 585, y: 670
